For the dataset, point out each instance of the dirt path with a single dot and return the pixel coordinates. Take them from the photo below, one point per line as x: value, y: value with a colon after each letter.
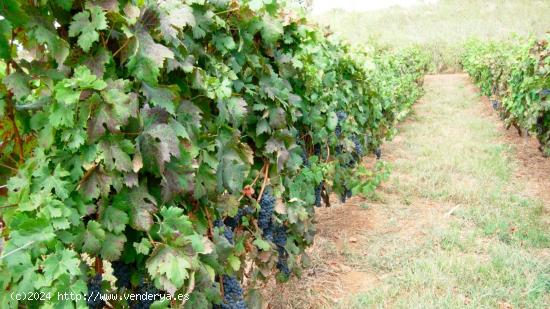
x: 462, y: 222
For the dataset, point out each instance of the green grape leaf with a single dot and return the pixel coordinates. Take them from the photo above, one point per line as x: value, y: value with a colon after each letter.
x: 5, y: 37
x: 94, y: 237
x: 161, y: 97
x: 18, y: 83
x: 65, y: 4
x: 143, y: 247
x: 96, y: 183
x: 261, y: 244
x: 157, y: 145
x: 114, y: 219
x: 47, y: 181
x: 143, y: 206
x: 175, y: 222
x: 256, y: 5
x: 86, y: 24
x: 113, y: 246
x: 63, y: 262
x: 114, y: 157
x: 168, y: 266
x: 332, y: 121
x: 58, y: 47
x: 234, y: 262
x: 272, y: 29
x: 175, y: 16
x: 234, y: 166
x: 147, y: 60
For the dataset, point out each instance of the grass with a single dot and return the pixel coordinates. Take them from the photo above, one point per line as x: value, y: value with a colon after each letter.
x: 494, y: 252
x: 456, y: 225
x: 443, y: 27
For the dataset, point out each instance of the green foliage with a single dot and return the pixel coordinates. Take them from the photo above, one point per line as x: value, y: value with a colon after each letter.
x: 129, y: 129
x: 516, y: 75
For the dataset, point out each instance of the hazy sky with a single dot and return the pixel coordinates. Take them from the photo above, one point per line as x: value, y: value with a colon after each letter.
x: 321, y: 6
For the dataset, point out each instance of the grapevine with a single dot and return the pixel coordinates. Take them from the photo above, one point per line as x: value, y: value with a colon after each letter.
x: 516, y: 75
x: 138, y: 133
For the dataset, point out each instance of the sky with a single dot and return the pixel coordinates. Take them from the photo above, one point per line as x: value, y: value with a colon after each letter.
x: 321, y: 6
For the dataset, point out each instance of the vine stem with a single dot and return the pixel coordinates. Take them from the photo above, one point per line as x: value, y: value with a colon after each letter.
x: 190, y: 288
x: 11, y: 108
x: 8, y: 206
x: 98, y: 264
x: 265, y: 181
x: 18, y: 249
x: 8, y: 167
x: 254, y: 182
x: 221, y: 287
x: 227, y: 11
x: 210, y: 226
x: 87, y: 174
x: 328, y: 153
x: 121, y: 47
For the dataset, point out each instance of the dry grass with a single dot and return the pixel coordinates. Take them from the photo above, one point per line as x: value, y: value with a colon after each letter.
x: 442, y: 28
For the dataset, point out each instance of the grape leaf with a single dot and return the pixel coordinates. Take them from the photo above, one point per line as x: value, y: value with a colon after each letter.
x: 47, y: 181
x: 65, y: 4
x: 62, y: 262
x: 148, y: 58
x: 96, y: 184
x: 256, y: 5
x: 169, y: 267
x: 143, y: 247
x: 113, y: 246
x: 157, y: 145
x: 234, y: 262
x: 175, y: 16
x: 115, y: 157
x: 272, y: 29
x: 58, y: 47
x: 143, y: 205
x: 121, y: 106
x: 114, y: 219
x: 86, y: 24
x: 97, y: 62
x: 93, y: 237
x: 160, y: 96
x: 17, y: 82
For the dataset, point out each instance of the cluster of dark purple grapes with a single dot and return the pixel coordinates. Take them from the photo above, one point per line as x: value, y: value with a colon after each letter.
x: 232, y: 294
x: 341, y: 117
x: 545, y: 92
x: 317, y: 149
x: 94, y: 300
x: 265, y: 222
x: 233, y: 222
x: 144, y: 301
x: 305, y: 160
x: 347, y: 194
x: 540, y: 125
x: 280, y: 239
x: 358, y: 147
x: 378, y: 153
x: 123, y: 273
x: 318, y: 190
x: 496, y: 104
x: 227, y: 231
